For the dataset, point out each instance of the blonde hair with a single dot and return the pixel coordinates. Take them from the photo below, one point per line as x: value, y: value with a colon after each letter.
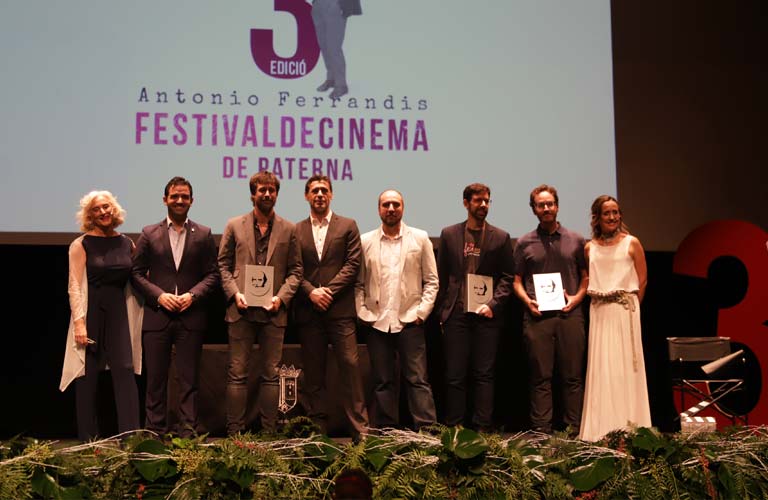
x: 84, y: 217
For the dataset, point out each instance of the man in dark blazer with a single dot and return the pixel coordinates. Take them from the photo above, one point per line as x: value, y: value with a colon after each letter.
x: 174, y: 268
x: 325, y: 305
x: 259, y: 237
x: 471, y: 332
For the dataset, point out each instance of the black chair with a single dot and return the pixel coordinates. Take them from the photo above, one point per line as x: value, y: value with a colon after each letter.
x: 707, y: 370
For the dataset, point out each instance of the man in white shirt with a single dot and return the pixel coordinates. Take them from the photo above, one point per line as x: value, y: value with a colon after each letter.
x: 324, y: 309
x: 174, y: 268
x: 395, y: 294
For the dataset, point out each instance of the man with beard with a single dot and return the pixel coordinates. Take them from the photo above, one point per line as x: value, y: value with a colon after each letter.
x: 174, y: 268
x: 471, y: 334
x: 259, y: 237
x: 325, y: 305
x: 396, y: 291
x: 552, y: 338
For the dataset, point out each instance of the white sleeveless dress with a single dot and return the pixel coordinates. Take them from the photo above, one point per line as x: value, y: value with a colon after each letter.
x: 615, y: 395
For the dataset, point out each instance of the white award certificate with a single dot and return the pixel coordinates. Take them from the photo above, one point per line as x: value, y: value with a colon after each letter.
x: 549, y: 291
x: 479, y: 291
x: 258, y: 285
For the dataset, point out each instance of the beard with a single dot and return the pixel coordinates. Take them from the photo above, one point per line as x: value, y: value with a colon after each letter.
x: 480, y: 213
x: 391, y: 220
x: 265, y: 206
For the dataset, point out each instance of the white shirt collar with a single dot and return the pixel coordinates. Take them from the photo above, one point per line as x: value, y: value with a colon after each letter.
x: 325, y: 220
x: 385, y: 236
x: 169, y: 222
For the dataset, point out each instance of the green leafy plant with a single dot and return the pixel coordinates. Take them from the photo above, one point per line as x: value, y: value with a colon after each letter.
x: 442, y: 463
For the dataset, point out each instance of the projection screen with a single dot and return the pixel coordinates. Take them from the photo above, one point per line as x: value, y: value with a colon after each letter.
x: 124, y: 95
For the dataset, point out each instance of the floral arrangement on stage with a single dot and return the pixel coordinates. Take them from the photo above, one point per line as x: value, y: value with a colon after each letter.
x: 452, y: 463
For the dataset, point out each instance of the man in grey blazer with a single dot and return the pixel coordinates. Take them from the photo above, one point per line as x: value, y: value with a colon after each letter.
x: 174, y: 268
x: 395, y: 293
x: 325, y: 305
x: 259, y: 237
x: 330, y: 20
x: 471, y: 335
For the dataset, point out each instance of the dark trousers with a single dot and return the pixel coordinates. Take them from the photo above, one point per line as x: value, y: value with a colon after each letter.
x: 409, y: 347
x: 113, y: 348
x: 470, y: 343
x: 315, y: 337
x: 157, y: 355
x: 242, y: 334
x: 555, y: 340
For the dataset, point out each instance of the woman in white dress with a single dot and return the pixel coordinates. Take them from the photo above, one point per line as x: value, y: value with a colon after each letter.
x: 615, y: 395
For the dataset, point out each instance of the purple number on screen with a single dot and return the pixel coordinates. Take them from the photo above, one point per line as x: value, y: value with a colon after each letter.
x: 307, y: 50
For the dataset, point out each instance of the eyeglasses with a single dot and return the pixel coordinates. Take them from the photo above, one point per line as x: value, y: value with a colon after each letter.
x: 546, y: 204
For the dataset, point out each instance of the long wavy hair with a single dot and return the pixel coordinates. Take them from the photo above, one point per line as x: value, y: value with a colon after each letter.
x: 597, y: 209
x: 84, y: 216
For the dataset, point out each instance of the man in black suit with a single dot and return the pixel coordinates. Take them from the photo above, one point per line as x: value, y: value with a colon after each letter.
x: 174, y: 268
x: 325, y: 304
x: 471, y: 333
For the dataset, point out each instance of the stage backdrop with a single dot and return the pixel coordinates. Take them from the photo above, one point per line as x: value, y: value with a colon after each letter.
x: 124, y: 95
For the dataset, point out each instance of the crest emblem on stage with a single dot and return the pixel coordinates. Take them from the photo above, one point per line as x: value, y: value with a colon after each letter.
x: 289, y: 388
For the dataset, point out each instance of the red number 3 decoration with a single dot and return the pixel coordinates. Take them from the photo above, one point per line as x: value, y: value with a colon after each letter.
x: 745, y: 322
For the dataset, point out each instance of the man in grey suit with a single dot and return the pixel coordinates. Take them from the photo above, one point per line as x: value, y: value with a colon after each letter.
x: 395, y: 293
x: 330, y: 19
x: 258, y: 237
x: 325, y: 305
x: 174, y: 268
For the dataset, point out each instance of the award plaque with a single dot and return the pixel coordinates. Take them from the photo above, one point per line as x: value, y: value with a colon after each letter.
x: 258, y: 285
x: 549, y: 291
x: 479, y: 291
